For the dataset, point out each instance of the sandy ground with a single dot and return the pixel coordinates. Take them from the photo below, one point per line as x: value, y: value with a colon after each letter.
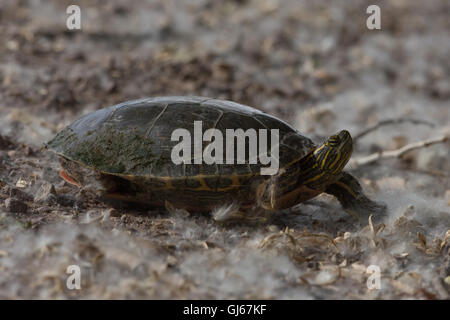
x: 311, y: 63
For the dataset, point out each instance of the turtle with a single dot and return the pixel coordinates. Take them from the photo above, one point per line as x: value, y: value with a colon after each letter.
x: 125, y: 152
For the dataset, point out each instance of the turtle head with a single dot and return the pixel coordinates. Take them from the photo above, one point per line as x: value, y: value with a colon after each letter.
x: 325, y: 163
x: 334, y: 153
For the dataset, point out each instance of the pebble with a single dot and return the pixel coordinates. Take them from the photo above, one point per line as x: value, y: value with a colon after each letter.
x: 46, y: 193
x: 15, y: 205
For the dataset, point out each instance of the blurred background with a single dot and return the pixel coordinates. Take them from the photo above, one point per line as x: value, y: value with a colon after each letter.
x: 314, y: 64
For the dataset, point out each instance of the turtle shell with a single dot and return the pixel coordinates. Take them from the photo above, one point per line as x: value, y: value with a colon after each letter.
x: 133, y: 140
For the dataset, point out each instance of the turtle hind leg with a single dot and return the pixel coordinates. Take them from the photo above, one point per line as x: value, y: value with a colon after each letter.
x: 352, y: 198
x: 122, y: 193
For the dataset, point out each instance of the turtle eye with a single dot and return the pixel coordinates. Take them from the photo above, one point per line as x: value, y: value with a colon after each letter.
x: 334, y: 141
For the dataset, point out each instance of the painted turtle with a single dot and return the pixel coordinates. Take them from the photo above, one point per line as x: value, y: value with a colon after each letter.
x: 125, y: 151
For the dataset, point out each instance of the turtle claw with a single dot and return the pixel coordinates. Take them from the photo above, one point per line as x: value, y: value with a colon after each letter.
x: 363, y: 208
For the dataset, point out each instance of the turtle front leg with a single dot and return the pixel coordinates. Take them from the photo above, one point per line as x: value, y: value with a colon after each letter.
x: 352, y: 198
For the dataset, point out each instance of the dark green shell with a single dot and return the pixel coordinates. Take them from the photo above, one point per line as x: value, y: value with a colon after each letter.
x: 130, y: 145
x: 134, y: 137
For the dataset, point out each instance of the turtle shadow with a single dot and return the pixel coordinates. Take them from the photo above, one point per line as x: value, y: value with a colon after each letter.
x: 312, y: 215
x: 317, y: 216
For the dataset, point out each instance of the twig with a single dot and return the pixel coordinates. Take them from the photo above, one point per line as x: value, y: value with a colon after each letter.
x: 436, y: 173
x: 388, y: 122
x: 396, y: 153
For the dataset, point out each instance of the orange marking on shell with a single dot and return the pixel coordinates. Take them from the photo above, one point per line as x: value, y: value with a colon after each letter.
x: 67, y: 178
